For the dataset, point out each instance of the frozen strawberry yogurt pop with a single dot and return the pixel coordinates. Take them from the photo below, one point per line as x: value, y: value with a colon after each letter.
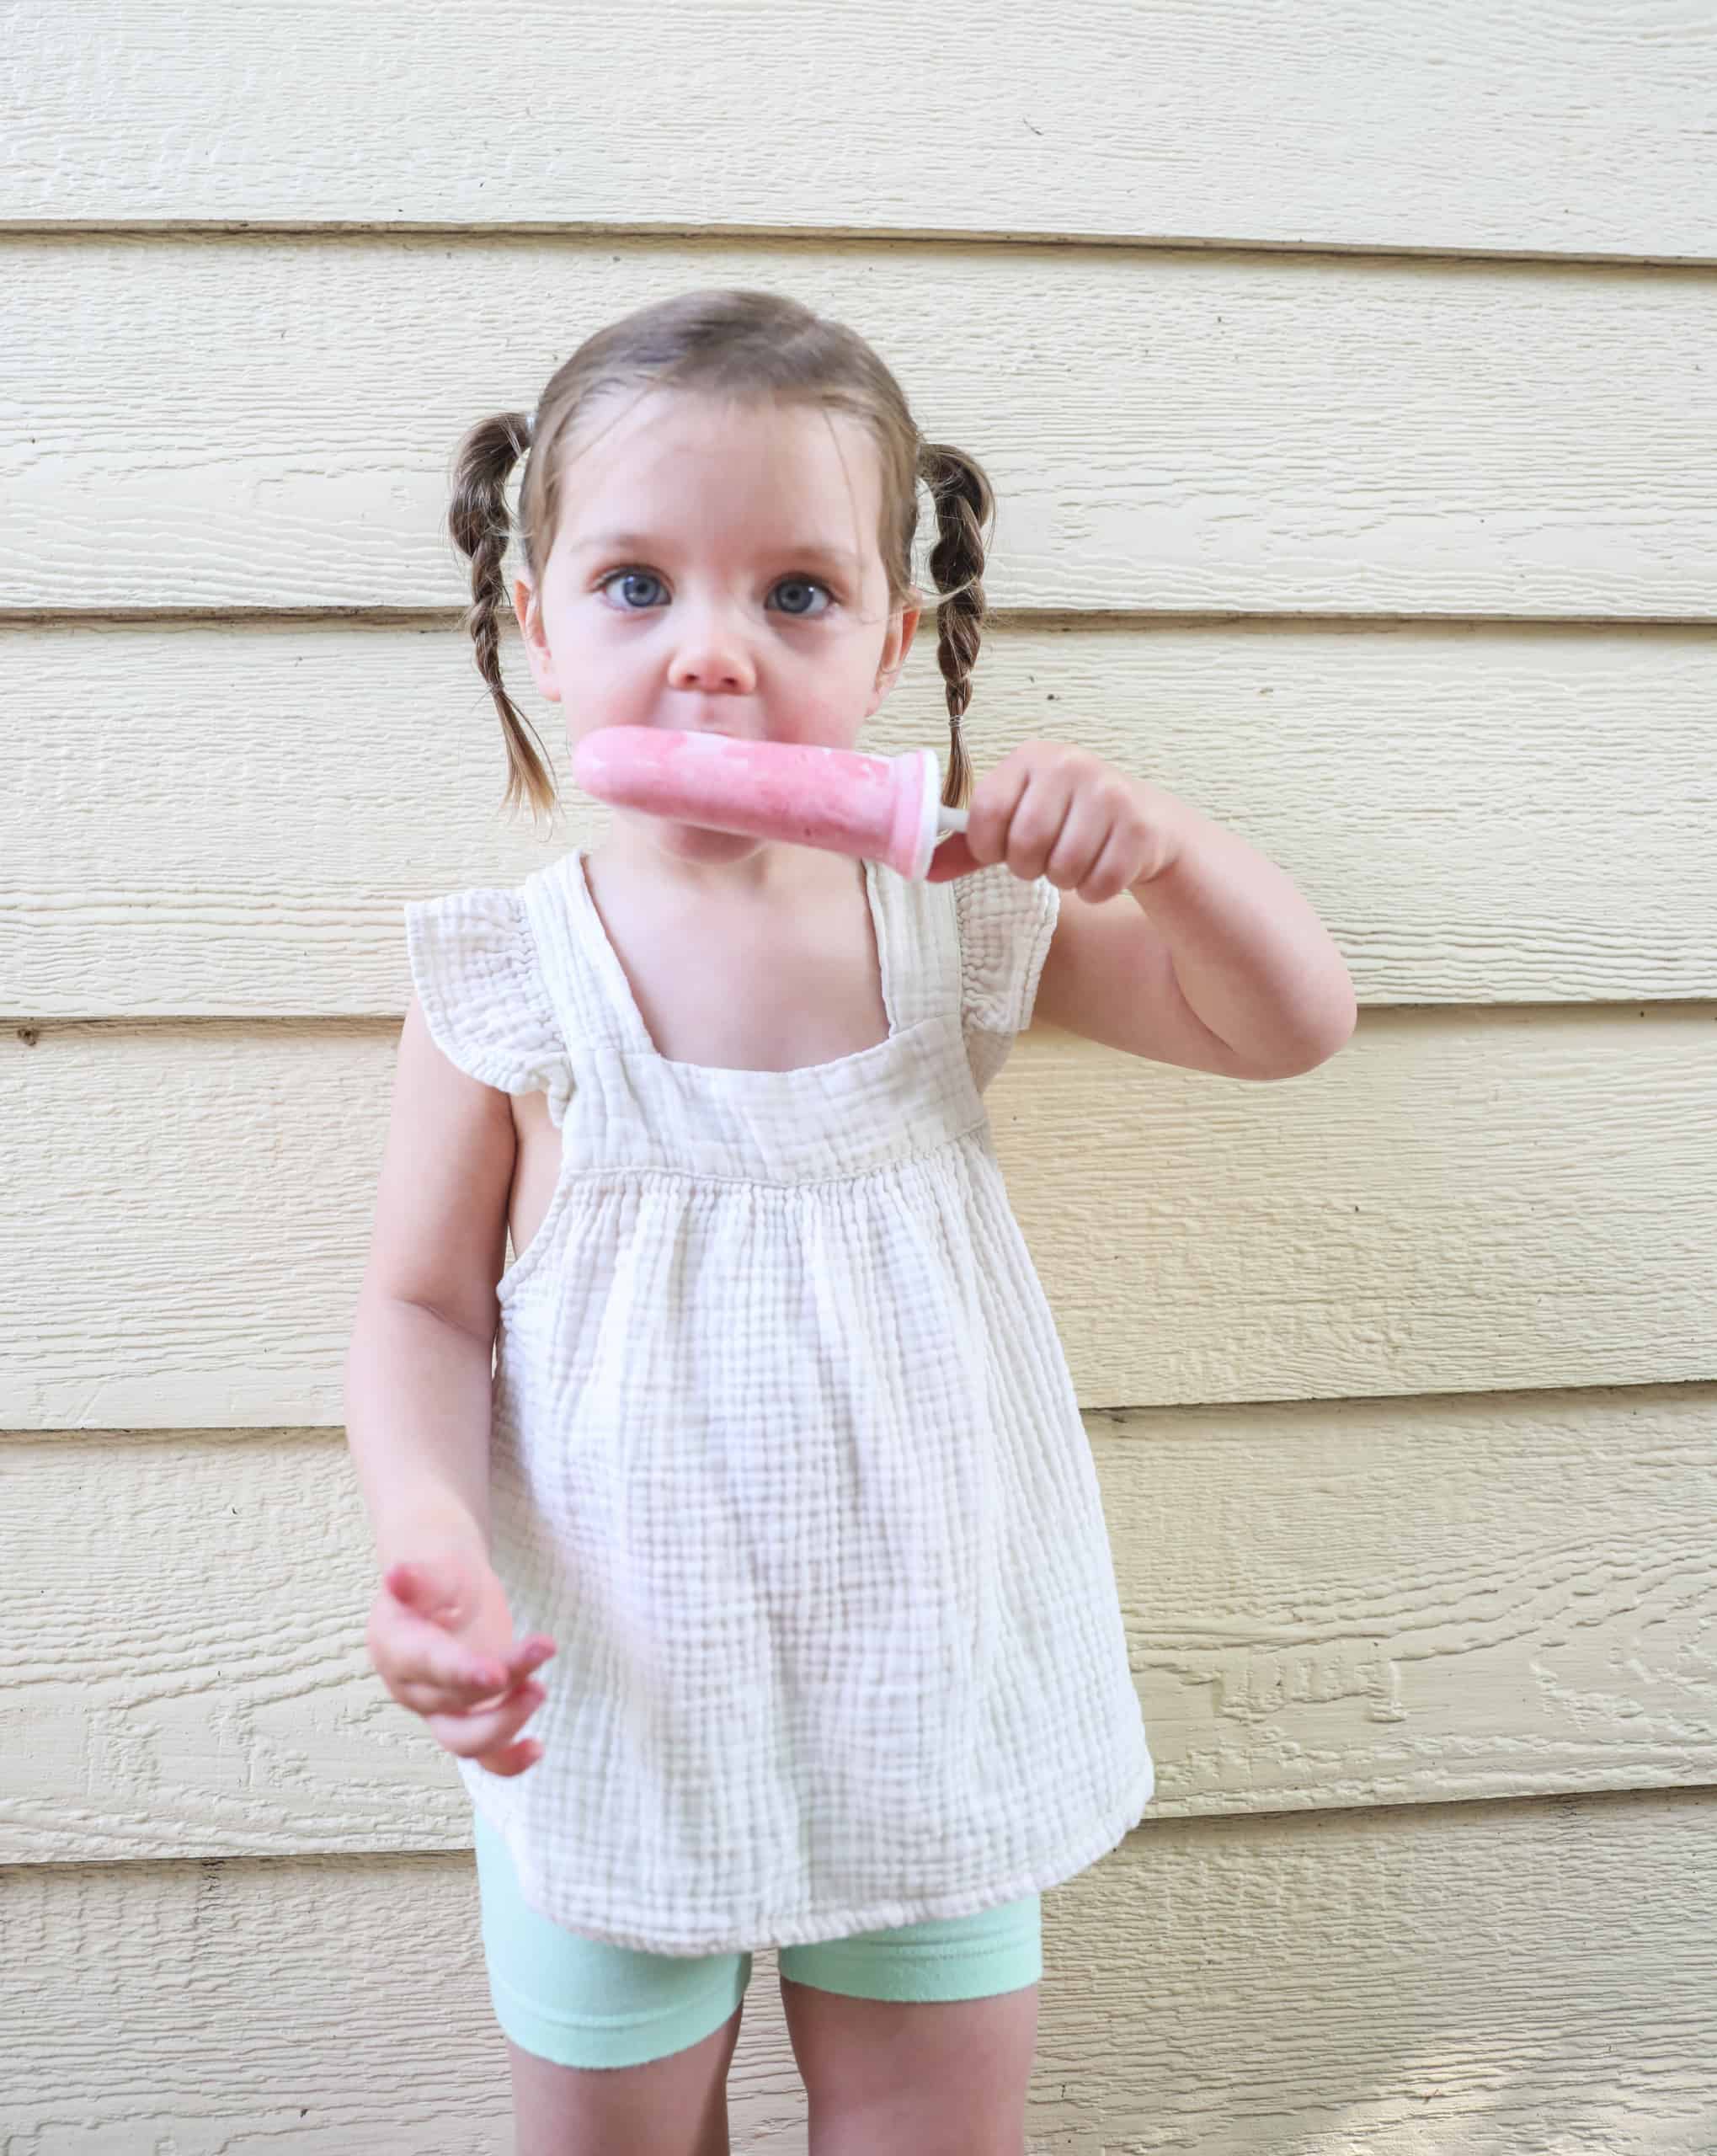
x: 884, y: 808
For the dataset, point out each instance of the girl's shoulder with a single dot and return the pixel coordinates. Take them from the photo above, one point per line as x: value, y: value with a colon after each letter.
x: 478, y: 972
x: 478, y: 969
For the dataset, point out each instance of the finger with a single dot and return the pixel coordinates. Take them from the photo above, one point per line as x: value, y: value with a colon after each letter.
x: 518, y: 1663
x: 496, y: 1673
x: 953, y: 857
x: 426, y: 1696
x: 993, y: 805
x: 484, y: 1729
x: 1111, y: 873
x: 515, y: 1665
x: 530, y: 1654
x: 417, y: 1648
x: 475, y: 1730
x: 410, y: 1651
x: 512, y: 1758
x: 1037, y: 824
x: 1078, y: 842
x: 436, y: 1592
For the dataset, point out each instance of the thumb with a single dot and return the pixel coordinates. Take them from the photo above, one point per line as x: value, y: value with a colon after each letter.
x: 953, y: 857
x: 439, y: 1589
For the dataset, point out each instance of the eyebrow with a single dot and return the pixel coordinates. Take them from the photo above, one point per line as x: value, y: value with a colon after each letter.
x: 641, y: 543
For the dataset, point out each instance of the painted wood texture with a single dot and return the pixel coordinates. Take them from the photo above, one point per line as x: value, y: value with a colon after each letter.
x: 1328, y: 1605
x: 1503, y: 814
x: 1488, y: 1201
x: 1458, y: 1980
x: 267, y: 422
x: 1370, y: 505
x: 1469, y: 130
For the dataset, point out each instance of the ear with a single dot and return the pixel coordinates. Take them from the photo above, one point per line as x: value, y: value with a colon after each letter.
x: 528, y: 608
x: 895, y: 646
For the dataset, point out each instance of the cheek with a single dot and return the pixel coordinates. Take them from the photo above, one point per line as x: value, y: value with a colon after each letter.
x: 591, y: 644
x: 817, y: 723
x: 828, y: 697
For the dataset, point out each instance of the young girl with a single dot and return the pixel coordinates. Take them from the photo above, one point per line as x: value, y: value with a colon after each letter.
x: 779, y: 1457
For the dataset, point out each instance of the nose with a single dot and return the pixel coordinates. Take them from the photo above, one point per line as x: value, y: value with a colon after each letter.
x: 713, y: 654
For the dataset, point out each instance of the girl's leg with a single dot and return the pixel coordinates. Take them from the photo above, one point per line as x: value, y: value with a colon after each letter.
x: 672, y: 2106
x: 918, y: 2041
x: 918, y: 2077
x: 610, y: 2049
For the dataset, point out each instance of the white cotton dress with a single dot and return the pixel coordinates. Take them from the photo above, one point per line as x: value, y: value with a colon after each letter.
x: 785, y: 1454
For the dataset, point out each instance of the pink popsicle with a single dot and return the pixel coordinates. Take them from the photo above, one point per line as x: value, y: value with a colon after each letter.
x: 884, y: 808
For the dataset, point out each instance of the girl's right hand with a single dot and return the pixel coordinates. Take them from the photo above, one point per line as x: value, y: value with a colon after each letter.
x: 441, y: 1638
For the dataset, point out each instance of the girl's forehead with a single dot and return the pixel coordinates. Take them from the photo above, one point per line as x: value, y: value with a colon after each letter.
x: 682, y: 449
x: 664, y: 424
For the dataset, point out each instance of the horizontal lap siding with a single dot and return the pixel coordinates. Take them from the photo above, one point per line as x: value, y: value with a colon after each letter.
x: 1473, y: 129
x: 1398, y: 1377
x: 1328, y: 1605
x: 1508, y: 813
x: 267, y: 422
x: 1459, y: 1980
x: 1458, y: 1202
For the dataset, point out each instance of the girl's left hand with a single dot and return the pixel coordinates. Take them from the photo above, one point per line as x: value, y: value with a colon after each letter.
x: 1050, y: 809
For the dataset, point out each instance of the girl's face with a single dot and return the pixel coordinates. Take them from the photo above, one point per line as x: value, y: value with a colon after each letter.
x: 717, y: 571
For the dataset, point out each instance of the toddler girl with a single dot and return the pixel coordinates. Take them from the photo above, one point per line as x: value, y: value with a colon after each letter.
x: 778, y: 1456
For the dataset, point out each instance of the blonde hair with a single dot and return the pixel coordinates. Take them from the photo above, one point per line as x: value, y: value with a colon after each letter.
x: 736, y: 344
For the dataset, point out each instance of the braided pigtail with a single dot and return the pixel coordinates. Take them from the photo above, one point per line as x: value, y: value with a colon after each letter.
x: 964, y: 507
x: 480, y: 526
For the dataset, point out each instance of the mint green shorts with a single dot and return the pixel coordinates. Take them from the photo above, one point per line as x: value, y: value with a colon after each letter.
x: 582, y: 2002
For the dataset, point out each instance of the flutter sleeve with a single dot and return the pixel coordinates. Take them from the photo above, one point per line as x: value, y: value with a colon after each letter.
x: 478, y: 977
x: 1005, y: 924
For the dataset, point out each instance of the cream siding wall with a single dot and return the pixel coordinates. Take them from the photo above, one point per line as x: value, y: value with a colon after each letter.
x: 1349, y: 383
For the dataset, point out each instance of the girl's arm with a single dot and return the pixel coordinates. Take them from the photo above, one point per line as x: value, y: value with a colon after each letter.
x: 417, y: 1413
x: 1215, y: 962
x: 1175, y: 940
x: 419, y: 1366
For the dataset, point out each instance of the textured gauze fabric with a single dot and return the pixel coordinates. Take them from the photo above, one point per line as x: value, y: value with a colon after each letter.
x: 785, y: 1452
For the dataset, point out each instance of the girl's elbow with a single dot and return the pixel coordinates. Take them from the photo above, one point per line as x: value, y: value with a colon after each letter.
x: 1318, y: 1048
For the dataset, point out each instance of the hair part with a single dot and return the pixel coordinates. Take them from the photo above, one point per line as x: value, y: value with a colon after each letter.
x: 742, y: 344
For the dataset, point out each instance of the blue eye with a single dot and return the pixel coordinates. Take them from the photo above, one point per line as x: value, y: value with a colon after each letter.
x: 801, y: 604
x: 807, y: 585
x: 630, y: 576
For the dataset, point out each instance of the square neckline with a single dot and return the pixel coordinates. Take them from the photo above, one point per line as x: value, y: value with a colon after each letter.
x: 623, y: 1005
